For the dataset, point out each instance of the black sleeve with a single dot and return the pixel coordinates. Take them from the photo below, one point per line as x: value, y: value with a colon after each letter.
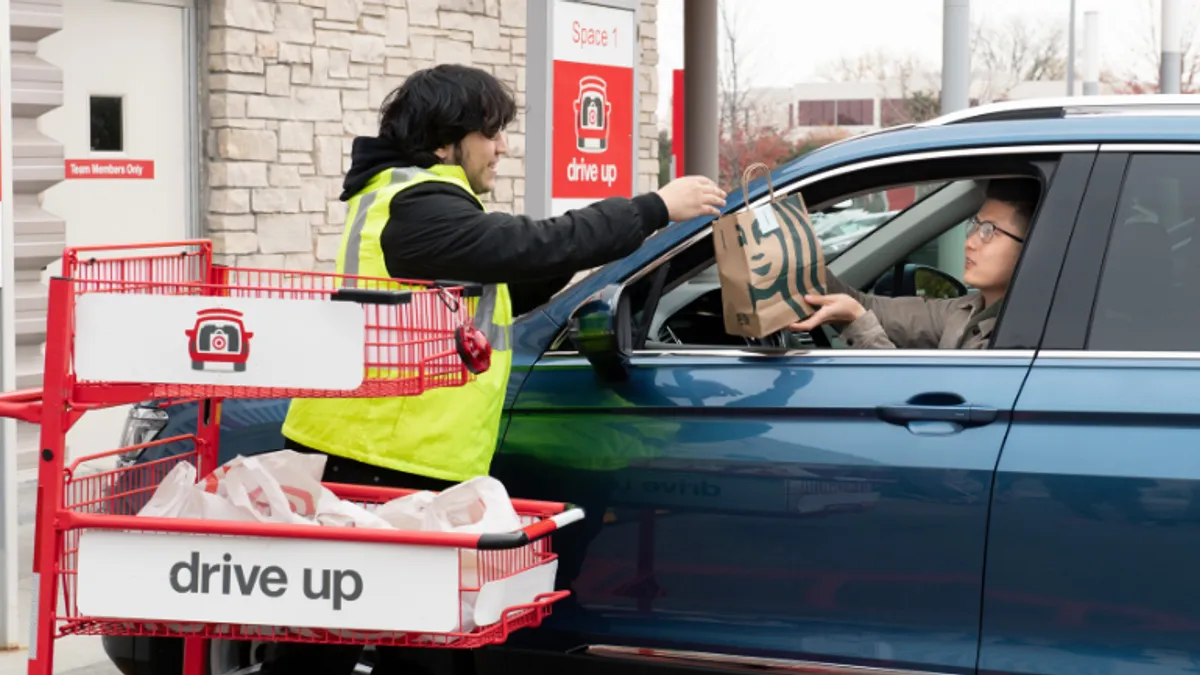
x: 529, y: 295
x: 438, y: 231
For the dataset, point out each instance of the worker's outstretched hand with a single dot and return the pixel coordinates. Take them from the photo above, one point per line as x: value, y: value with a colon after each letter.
x: 689, y: 197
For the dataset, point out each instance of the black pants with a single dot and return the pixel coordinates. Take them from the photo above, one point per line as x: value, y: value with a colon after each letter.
x: 291, y: 658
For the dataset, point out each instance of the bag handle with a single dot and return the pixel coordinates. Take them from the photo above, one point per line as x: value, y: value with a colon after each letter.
x: 746, y: 179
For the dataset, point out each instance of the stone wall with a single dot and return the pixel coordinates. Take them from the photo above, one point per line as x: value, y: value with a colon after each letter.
x: 291, y: 82
x: 38, y: 236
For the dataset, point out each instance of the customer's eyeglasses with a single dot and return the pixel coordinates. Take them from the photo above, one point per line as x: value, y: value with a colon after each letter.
x: 987, y: 230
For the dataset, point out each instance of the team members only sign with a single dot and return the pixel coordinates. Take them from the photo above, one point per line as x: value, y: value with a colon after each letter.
x: 593, y: 104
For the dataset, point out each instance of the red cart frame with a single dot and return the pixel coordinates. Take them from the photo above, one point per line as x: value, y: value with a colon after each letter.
x: 414, y: 343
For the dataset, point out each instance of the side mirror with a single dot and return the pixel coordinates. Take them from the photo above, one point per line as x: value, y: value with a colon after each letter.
x: 602, y: 330
x: 920, y: 281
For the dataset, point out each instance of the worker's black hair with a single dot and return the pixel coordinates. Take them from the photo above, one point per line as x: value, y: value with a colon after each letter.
x: 440, y: 106
x: 1020, y: 193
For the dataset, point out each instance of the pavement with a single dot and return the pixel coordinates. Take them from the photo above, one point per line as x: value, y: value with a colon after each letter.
x: 77, y: 655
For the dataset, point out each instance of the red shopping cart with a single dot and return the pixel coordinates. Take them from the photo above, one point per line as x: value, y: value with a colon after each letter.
x: 162, y: 321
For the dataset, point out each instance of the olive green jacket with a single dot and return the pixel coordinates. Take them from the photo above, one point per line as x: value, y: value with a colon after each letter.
x: 918, y: 323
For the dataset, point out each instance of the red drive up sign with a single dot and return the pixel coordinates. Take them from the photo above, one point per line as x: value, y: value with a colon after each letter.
x: 593, y: 105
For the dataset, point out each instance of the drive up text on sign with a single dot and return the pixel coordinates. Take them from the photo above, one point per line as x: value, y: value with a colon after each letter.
x: 594, y: 50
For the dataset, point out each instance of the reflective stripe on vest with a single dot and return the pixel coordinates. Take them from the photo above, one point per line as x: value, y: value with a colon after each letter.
x: 498, y: 335
x: 448, y: 433
x: 354, y: 241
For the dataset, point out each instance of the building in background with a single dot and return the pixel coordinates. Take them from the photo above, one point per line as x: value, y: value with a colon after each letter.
x: 858, y: 107
x: 161, y: 120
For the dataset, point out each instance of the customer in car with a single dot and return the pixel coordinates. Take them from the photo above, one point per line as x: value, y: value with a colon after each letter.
x: 994, y: 241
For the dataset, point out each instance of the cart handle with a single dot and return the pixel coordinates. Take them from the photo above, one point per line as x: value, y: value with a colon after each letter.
x: 372, y: 296
x: 525, y: 507
x: 494, y: 541
x: 540, y: 602
x: 67, y: 520
x: 23, y: 404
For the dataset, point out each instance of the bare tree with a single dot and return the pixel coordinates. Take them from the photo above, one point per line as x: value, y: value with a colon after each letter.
x: 1005, y: 55
x: 909, y: 87
x: 734, y: 85
x: 880, y: 65
x: 1148, y: 51
x: 907, y: 71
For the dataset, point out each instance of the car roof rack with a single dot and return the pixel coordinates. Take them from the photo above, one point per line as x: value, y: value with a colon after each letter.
x: 1073, y: 106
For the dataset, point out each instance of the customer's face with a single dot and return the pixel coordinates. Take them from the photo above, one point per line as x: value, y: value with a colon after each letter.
x: 478, y: 156
x: 990, y: 264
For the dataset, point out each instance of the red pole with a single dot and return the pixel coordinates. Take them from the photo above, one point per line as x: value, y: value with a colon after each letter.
x: 56, y: 391
x: 677, y: 121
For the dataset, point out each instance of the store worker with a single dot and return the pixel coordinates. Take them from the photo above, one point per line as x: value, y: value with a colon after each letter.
x: 416, y: 212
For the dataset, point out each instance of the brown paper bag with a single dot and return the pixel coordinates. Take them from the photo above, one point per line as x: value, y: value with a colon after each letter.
x: 768, y: 259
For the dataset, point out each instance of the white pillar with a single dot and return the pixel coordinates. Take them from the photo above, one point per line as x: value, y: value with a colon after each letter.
x: 956, y: 55
x: 1071, y: 52
x: 1172, y: 39
x: 956, y: 95
x: 1091, y: 53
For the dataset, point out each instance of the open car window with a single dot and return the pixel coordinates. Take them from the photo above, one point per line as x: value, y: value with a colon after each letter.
x: 692, y: 281
x: 841, y: 225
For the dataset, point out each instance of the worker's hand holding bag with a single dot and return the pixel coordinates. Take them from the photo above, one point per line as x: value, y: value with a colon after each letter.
x: 768, y: 258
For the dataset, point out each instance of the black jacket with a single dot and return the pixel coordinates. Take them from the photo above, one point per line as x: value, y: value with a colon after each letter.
x: 438, y: 231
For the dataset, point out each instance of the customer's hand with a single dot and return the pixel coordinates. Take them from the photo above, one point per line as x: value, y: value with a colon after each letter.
x: 837, y: 308
x: 692, y: 196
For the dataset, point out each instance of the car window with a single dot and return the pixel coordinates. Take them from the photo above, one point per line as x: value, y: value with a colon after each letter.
x: 690, y: 312
x: 841, y: 225
x: 1151, y: 274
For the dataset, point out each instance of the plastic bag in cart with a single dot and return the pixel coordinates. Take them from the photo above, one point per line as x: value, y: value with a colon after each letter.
x: 278, y: 487
x: 285, y: 487
x: 177, y: 497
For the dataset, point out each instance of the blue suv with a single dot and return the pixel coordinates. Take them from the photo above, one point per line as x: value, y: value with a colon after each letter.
x: 793, y: 505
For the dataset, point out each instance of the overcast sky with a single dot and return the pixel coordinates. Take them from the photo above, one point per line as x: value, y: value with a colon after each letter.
x: 791, y: 38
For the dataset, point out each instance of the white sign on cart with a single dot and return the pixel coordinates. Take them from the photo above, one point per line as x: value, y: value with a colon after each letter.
x: 255, y: 342
x: 292, y: 582
x: 270, y: 581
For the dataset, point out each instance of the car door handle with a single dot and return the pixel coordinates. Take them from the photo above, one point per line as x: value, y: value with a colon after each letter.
x: 965, y: 415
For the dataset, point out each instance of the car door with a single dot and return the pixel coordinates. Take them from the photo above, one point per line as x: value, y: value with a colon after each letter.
x: 758, y: 502
x: 1092, y: 551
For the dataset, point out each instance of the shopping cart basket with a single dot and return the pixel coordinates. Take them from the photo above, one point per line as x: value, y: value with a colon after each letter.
x: 162, y: 321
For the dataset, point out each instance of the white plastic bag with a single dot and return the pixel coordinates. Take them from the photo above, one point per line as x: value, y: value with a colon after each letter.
x: 480, y: 505
x: 251, y: 488
x: 408, y: 512
x: 177, y: 497
x: 297, y: 475
x: 341, y: 513
x: 285, y: 487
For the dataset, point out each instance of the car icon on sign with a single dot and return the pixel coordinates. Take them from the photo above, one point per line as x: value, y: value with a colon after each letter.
x: 219, y: 336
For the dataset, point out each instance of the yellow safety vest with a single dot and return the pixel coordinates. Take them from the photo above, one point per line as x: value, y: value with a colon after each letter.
x: 447, y: 433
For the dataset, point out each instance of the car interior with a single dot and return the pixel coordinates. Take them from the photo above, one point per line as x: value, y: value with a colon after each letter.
x: 676, y: 301
x: 1153, y: 282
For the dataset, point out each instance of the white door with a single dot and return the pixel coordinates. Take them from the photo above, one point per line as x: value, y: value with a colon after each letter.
x: 125, y: 125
